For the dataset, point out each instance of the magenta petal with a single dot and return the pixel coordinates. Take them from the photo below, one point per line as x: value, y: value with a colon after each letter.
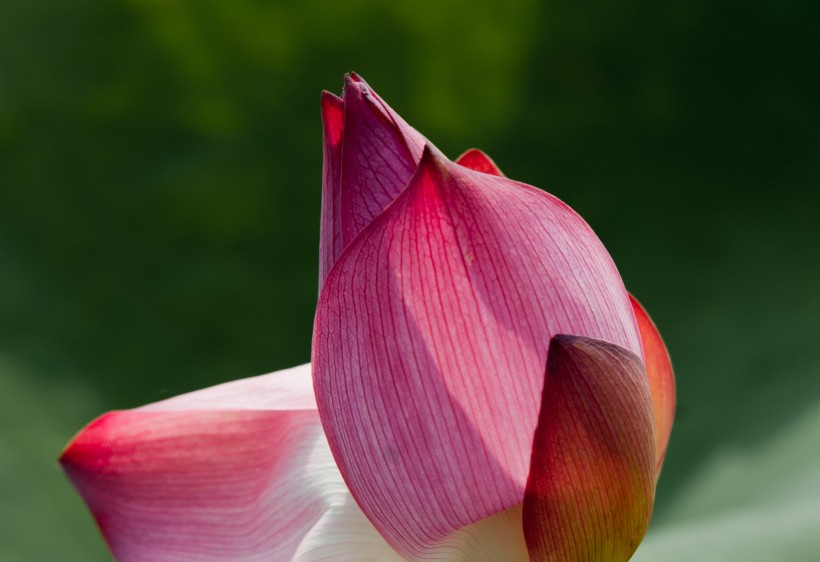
x: 430, y: 342
x: 379, y: 156
x: 592, y: 481
x: 238, y: 472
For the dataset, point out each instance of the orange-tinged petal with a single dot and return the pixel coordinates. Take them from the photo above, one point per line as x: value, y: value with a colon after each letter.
x: 661, y: 378
x: 592, y: 477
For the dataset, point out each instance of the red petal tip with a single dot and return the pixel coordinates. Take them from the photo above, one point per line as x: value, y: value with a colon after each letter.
x: 77, y: 449
x: 330, y: 98
x: 333, y: 117
x: 478, y: 161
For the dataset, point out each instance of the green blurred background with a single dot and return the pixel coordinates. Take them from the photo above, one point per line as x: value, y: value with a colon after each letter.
x: 160, y: 169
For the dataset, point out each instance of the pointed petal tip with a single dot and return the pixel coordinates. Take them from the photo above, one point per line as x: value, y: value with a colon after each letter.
x: 431, y: 156
x: 331, y: 99
x: 354, y: 86
x: 75, y: 453
x: 333, y: 108
x: 431, y: 172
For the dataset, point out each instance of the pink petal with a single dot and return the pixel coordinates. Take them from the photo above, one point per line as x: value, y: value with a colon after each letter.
x: 379, y: 156
x: 592, y: 481
x: 430, y: 339
x: 478, y: 161
x: 369, y: 155
x: 661, y: 378
x: 238, y: 472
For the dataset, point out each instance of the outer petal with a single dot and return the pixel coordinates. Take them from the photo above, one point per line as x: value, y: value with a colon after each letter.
x: 478, y: 161
x: 238, y: 472
x: 661, y: 378
x: 592, y: 480
x: 379, y: 155
x: 330, y: 235
x: 432, y: 333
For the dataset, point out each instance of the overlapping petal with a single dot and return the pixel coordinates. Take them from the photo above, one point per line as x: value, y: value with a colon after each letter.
x: 661, y: 378
x: 370, y: 153
x: 444, y: 286
x: 430, y: 342
x: 592, y: 481
x: 238, y: 472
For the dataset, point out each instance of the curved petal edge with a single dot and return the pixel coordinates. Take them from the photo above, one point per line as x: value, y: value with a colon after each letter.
x: 477, y: 160
x: 661, y: 378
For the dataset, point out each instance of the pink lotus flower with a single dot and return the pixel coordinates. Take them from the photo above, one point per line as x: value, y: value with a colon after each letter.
x: 483, y: 387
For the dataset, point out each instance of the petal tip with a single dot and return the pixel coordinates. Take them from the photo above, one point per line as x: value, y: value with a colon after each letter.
x: 332, y: 117
x: 354, y: 86
x: 81, y: 450
x: 330, y: 99
x: 478, y: 161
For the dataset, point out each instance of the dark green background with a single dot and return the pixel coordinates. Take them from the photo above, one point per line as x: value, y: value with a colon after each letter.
x: 160, y: 170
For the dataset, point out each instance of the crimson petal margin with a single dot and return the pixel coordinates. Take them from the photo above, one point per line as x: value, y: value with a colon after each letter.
x: 430, y: 341
x: 661, y: 378
x: 238, y: 472
x: 592, y: 480
x: 330, y: 235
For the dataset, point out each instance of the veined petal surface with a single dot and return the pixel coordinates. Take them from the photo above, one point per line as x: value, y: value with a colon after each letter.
x: 370, y: 153
x: 592, y: 479
x: 238, y: 472
x: 380, y: 152
x: 661, y: 378
x: 430, y: 342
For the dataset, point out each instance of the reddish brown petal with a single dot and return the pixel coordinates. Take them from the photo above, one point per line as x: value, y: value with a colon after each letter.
x: 592, y: 477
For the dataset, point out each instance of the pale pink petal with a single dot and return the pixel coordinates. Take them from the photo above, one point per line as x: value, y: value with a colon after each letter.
x: 380, y: 152
x: 430, y: 340
x: 285, y: 390
x: 592, y: 480
x: 661, y: 378
x: 238, y: 472
x: 330, y: 235
x: 478, y: 161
